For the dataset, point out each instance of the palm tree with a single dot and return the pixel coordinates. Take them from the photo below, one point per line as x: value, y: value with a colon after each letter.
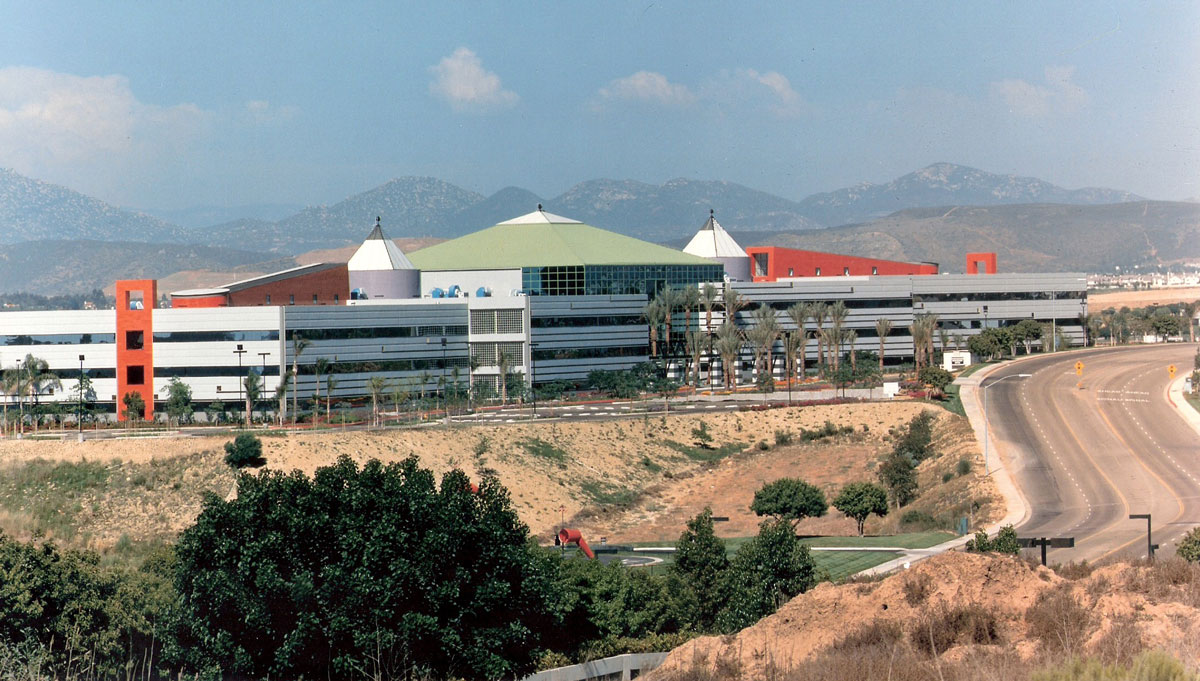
x: 320, y: 368
x: 851, y: 338
x: 837, y: 319
x: 504, y: 364
x: 398, y: 391
x: 299, y: 345
x: 1190, y: 309
x: 655, y: 314
x: 253, y: 384
x: 729, y: 348
x: 670, y: 299
x: 732, y: 302
x: 818, y: 310
x: 792, y: 342
x: 281, y: 391
x: 709, y: 295
x: 31, y: 378
x: 798, y: 313
x: 883, y: 326
x: 766, y: 328
x: 376, y: 385
x: 944, y: 340
x: 330, y: 384
x: 689, y: 299
x: 695, y: 341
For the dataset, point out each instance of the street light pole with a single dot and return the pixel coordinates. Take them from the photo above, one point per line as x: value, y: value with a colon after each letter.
x: 241, y: 386
x: 79, y: 402
x: 789, y: 352
x: 445, y: 385
x: 20, y: 405
x: 986, y: 432
x: 532, y: 389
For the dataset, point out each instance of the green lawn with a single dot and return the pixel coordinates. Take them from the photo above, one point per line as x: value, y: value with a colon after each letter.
x: 1193, y: 399
x: 842, y: 564
x: 912, y: 540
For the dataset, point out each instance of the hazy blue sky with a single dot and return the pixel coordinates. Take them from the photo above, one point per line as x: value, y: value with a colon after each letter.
x: 170, y: 104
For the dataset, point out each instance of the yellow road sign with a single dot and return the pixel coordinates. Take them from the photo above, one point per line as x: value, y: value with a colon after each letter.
x: 1079, y: 368
x: 1171, y: 370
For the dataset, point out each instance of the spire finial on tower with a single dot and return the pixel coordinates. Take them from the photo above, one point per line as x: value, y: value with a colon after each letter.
x: 710, y: 212
x: 539, y: 207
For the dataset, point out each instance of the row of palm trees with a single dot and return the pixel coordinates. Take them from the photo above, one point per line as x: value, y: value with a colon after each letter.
x: 763, y: 330
x: 25, y: 382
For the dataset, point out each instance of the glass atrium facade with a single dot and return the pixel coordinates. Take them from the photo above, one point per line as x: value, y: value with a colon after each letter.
x: 576, y: 280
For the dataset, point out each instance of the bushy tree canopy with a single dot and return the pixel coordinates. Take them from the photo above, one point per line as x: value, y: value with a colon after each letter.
x: 859, y: 500
x: 700, y: 562
x: 767, y: 571
x: 790, y: 499
x: 374, y: 572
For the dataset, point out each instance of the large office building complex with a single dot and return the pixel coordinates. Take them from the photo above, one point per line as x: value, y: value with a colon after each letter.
x: 537, y: 299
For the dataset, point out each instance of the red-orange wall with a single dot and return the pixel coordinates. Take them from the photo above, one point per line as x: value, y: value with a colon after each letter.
x: 200, y: 301
x: 805, y: 264
x: 136, y: 320
x: 987, y: 260
x: 325, y: 284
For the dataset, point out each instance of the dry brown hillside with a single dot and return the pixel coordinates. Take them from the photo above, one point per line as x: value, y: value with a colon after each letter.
x: 632, y: 478
x: 960, y: 616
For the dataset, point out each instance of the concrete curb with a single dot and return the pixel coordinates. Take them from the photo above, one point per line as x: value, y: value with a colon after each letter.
x: 1016, y: 505
x: 1175, y: 397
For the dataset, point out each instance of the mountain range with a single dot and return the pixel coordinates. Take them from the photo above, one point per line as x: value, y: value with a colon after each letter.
x: 40, y: 216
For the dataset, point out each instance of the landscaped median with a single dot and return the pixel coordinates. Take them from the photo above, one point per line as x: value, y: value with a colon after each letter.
x: 835, y: 557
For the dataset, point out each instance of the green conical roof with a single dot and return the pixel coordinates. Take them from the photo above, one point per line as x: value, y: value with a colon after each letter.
x: 542, y: 239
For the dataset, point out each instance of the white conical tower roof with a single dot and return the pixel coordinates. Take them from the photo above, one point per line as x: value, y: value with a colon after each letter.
x: 541, y: 217
x: 379, y: 253
x: 712, y: 241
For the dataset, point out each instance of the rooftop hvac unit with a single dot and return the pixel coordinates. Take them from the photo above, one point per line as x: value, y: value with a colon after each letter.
x: 483, y: 292
x: 437, y: 293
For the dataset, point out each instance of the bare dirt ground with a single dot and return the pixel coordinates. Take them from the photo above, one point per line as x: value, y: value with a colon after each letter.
x: 631, y: 479
x: 1133, y: 299
x: 1113, y: 611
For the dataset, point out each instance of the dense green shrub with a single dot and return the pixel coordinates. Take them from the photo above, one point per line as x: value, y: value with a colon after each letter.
x: 244, y: 452
x: 378, y: 568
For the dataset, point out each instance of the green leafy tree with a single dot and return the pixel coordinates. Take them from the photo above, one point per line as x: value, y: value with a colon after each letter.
x: 1004, y: 542
x: 985, y: 345
x: 767, y: 571
x: 244, y: 452
x: 789, y: 499
x: 179, y: 401
x: 135, y: 406
x: 916, y: 440
x: 898, y: 474
x: 1026, y: 332
x: 1188, y: 548
x: 377, y: 571
x: 937, y: 377
x: 700, y: 563
x: 859, y: 500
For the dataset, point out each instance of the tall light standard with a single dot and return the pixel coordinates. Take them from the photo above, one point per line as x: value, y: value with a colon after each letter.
x: 263, y: 382
x: 241, y: 386
x: 787, y: 349
x: 532, y: 390
x: 20, y: 405
x: 79, y: 402
x: 986, y: 434
x: 445, y: 385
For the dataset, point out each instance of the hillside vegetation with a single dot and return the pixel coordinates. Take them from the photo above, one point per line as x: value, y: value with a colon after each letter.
x: 1027, y: 238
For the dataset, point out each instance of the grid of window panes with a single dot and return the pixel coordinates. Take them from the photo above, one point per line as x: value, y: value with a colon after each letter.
x: 510, y: 321
x: 615, y: 279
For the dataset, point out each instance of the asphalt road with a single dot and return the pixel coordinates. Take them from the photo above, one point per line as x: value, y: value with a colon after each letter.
x: 1089, y: 451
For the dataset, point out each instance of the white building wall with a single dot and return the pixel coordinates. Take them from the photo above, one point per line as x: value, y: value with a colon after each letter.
x: 500, y: 282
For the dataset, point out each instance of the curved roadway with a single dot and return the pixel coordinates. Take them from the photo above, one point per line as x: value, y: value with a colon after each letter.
x: 1088, y: 452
